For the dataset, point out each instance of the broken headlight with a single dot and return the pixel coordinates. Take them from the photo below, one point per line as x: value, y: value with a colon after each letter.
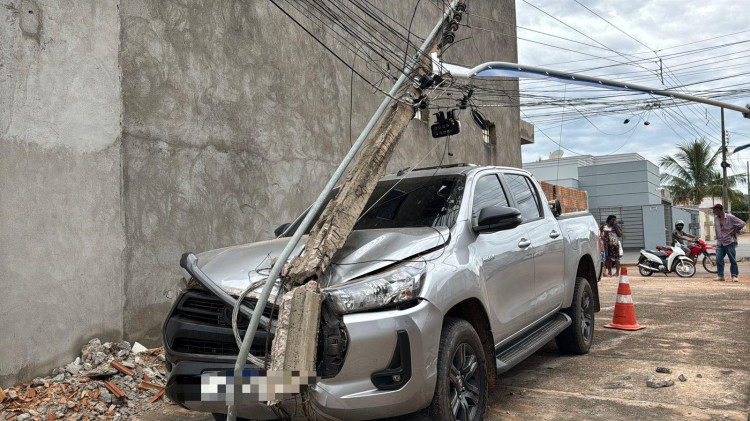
x: 398, y: 285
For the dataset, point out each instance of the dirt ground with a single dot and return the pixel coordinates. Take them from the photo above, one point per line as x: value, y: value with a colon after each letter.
x: 695, y: 327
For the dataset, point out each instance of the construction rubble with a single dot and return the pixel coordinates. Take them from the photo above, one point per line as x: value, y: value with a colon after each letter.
x: 109, y: 381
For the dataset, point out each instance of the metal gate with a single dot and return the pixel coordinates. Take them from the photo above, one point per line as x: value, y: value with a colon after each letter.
x: 667, y: 223
x: 630, y: 219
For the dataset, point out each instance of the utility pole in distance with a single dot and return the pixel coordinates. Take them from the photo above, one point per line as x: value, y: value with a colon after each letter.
x: 724, y: 165
x: 747, y: 180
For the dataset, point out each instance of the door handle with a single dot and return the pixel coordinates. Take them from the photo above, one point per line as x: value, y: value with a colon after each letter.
x: 554, y: 234
x: 524, y: 243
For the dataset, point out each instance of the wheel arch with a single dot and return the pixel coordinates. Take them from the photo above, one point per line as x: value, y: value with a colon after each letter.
x: 587, y: 271
x: 472, y: 310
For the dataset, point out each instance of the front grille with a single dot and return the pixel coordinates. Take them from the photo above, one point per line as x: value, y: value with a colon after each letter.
x: 205, y: 308
x: 204, y: 303
x: 203, y: 346
x: 201, y: 324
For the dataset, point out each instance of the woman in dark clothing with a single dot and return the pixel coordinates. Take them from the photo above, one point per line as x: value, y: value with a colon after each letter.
x: 612, y: 233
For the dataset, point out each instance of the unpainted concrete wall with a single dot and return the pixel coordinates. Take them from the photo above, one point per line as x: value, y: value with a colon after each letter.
x: 61, y: 235
x: 132, y: 131
x: 234, y: 119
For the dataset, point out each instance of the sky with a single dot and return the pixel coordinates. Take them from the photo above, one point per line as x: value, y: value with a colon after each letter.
x: 660, y: 25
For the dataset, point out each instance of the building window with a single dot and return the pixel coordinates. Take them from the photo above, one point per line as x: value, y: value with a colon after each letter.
x: 489, y: 135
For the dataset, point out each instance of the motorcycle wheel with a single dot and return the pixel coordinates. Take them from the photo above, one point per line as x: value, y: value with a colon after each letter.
x: 684, y: 269
x: 709, y: 263
x: 644, y: 272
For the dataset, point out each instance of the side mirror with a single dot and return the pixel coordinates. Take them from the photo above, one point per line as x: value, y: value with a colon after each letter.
x: 497, y: 218
x: 281, y: 228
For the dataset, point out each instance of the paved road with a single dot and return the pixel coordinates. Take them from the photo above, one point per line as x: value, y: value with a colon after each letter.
x: 695, y: 327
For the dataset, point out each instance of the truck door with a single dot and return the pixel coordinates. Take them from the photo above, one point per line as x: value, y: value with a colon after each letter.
x: 546, y: 243
x: 506, y: 263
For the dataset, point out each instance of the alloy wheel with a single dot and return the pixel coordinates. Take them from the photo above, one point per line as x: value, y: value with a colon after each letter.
x: 464, y: 384
x: 587, y: 321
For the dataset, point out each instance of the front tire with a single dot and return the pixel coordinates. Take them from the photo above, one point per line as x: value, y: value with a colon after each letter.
x: 684, y: 268
x: 709, y: 263
x: 577, y: 338
x: 461, y: 390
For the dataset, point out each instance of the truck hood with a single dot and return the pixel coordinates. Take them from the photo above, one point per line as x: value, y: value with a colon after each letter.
x: 234, y: 268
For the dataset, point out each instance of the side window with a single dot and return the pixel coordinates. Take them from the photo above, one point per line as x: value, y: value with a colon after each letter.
x: 488, y: 192
x: 527, y: 198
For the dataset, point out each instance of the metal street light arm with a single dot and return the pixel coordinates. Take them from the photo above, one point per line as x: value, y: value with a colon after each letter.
x: 495, y: 69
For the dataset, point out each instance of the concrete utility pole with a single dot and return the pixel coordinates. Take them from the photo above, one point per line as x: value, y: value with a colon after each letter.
x: 747, y: 180
x: 338, y: 218
x: 724, y: 165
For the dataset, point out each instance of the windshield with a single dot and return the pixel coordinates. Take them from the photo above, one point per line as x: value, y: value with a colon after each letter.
x: 407, y: 203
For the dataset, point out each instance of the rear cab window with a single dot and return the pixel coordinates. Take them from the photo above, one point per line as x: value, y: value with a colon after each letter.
x: 526, y: 196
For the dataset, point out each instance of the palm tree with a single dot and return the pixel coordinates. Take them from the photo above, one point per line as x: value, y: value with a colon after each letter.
x: 717, y: 189
x: 690, y: 175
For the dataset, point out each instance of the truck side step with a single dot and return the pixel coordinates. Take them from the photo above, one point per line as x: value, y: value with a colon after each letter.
x: 507, y: 357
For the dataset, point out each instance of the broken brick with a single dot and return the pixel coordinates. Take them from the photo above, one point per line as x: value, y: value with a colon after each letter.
x: 148, y: 385
x: 114, y: 389
x: 157, y: 396
x: 122, y: 369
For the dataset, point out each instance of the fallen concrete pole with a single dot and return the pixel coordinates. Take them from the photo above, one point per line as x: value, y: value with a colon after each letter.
x: 427, y: 46
x: 299, y: 312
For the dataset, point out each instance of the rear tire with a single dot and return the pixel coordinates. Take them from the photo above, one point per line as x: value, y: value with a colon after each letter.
x: 644, y: 272
x: 461, y: 389
x: 577, y: 338
x: 709, y: 263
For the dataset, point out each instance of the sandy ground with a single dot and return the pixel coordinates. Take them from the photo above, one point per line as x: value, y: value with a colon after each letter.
x: 695, y: 327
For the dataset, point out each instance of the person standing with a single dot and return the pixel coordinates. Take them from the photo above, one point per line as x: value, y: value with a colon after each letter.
x: 612, y: 234
x: 727, y: 227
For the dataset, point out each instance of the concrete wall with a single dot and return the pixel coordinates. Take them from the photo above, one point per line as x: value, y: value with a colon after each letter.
x: 234, y: 119
x: 61, y: 235
x: 133, y: 131
x: 621, y: 184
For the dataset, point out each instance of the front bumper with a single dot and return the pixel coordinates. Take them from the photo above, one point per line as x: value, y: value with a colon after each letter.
x: 351, y: 394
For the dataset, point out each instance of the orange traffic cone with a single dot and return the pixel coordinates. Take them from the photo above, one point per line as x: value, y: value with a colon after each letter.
x: 624, y: 315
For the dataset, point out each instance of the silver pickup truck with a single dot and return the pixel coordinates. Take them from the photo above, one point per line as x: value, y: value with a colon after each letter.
x: 451, y: 276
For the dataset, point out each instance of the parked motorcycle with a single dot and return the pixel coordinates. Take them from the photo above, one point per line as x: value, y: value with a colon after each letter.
x: 699, y: 247
x: 695, y: 249
x: 666, y: 260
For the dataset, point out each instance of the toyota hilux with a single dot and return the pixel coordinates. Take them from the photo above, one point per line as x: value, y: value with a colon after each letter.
x: 451, y: 276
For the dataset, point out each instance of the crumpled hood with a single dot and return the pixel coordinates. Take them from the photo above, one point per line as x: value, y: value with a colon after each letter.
x: 234, y: 268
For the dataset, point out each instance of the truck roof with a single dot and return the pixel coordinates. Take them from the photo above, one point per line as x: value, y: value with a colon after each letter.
x: 448, y: 169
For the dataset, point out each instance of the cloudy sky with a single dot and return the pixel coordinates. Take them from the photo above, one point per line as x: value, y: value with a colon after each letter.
x: 664, y: 26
